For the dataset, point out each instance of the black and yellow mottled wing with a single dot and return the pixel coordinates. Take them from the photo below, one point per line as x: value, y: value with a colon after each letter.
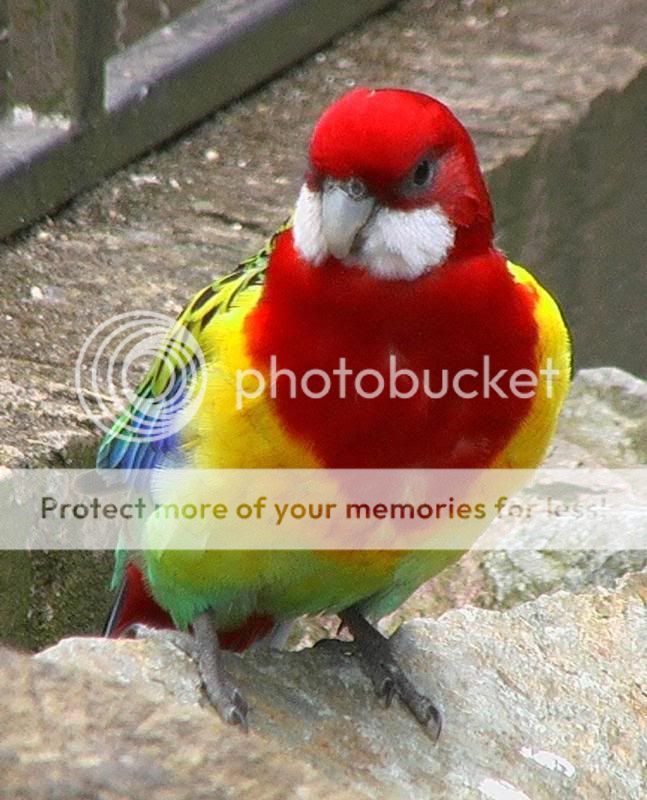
x: 145, y: 432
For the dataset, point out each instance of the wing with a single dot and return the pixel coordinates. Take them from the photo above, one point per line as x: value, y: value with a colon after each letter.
x: 527, y: 447
x: 144, y: 433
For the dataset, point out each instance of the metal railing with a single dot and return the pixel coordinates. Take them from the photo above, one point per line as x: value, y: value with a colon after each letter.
x: 81, y: 98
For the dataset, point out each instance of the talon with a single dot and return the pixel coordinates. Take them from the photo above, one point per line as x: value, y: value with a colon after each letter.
x: 236, y: 717
x: 389, y: 690
x: 219, y: 687
x: 133, y: 631
x: 387, y: 677
x: 432, y: 721
x: 240, y: 702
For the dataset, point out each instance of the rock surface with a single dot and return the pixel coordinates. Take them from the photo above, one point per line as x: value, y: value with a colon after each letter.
x: 542, y: 701
x: 604, y: 421
x: 70, y: 733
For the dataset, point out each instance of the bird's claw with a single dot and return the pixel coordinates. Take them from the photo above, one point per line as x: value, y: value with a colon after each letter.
x: 429, y: 717
x: 226, y: 698
x: 386, y: 675
x: 135, y: 631
x: 221, y: 691
x: 387, y: 692
x: 237, y: 713
x: 389, y: 681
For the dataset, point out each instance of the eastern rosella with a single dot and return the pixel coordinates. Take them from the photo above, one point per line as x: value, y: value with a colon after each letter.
x: 389, y: 251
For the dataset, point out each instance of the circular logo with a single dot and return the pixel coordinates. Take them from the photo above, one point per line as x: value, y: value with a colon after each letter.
x: 111, y: 363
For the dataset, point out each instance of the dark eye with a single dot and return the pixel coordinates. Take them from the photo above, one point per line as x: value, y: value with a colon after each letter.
x: 422, y: 173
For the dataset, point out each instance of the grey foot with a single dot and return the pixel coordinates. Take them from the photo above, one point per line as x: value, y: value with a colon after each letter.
x: 387, y: 677
x: 222, y: 692
x: 203, y: 648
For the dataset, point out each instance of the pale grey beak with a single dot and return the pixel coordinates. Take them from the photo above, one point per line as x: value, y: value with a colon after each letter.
x: 346, y: 207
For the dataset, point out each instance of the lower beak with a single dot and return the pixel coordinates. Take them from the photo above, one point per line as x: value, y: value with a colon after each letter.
x: 343, y: 217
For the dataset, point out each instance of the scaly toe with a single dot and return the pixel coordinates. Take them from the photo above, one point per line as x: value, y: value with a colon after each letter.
x: 226, y: 698
x: 237, y: 712
x: 425, y: 712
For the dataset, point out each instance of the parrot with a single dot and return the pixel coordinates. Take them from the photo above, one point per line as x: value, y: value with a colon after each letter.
x: 389, y: 251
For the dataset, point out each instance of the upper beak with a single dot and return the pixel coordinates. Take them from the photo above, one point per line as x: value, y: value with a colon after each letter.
x: 346, y: 207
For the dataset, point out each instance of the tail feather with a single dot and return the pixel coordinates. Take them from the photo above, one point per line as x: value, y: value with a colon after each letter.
x: 134, y: 604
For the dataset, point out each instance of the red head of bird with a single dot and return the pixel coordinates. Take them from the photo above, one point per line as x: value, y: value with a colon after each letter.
x: 393, y: 185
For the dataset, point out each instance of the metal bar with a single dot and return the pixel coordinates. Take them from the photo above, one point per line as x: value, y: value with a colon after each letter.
x: 4, y: 53
x: 160, y: 86
x: 57, y: 50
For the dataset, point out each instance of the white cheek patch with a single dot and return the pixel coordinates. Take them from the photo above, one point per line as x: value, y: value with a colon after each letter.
x: 395, y: 245
x: 307, y: 229
x: 402, y: 245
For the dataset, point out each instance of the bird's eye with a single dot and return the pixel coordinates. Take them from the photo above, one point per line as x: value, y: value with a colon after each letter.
x: 422, y: 172
x: 356, y: 189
